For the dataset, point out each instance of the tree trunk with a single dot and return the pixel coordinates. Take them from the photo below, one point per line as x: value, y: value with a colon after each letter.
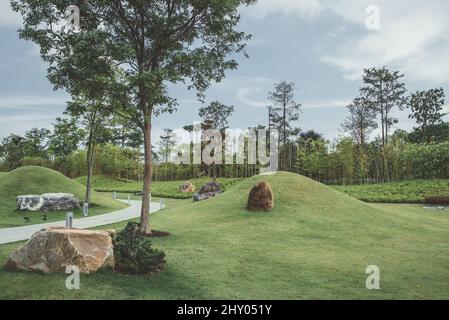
x: 146, y: 196
x: 89, y: 177
x: 285, y: 123
x: 214, y: 172
x: 90, y: 164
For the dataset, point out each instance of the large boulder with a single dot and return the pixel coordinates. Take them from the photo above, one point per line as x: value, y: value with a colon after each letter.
x: 187, y: 187
x: 210, y: 189
x: 261, y: 197
x: 47, y: 202
x: 54, y: 249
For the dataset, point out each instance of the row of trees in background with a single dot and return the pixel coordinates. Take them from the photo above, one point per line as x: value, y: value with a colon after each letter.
x: 382, y: 94
x: 421, y: 153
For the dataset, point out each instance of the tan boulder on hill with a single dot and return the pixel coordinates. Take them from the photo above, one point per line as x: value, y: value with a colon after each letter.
x: 53, y: 249
x: 187, y: 187
x: 261, y: 197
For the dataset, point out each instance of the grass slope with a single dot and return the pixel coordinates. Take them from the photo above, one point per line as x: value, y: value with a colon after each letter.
x: 413, y: 191
x: 165, y: 189
x: 38, y: 180
x: 316, y: 243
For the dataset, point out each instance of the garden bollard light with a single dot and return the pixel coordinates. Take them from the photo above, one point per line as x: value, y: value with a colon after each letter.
x: 69, y: 220
x: 129, y: 199
x: 85, y: 209
x: 161, y: 203
x: 114, y: 195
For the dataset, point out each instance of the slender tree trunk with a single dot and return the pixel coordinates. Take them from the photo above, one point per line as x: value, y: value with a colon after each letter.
x: 382, y: 120
x: 284, y: 123
x: 269, y: 118
x: 214, y: 172
x: 90, y: 165
x: 146, y: 196
x: 90, y: 162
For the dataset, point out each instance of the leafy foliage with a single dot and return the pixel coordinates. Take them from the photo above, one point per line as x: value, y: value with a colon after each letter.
x: 217, y: 114
x: 361, y: 120
x: 426, y: 108
x: 134, y: 253
x: 12, y: 151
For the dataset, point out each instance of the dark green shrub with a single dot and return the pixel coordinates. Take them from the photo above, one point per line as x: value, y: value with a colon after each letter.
x: 134, y: 254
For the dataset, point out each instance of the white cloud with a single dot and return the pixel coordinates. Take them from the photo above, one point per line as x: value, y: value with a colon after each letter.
x: 303, y: 8
x: 326, y: 104
x: 23, y: 123
x: 246, y: 96
x: 412, y: 38
x: 8, y: 18
x: 413, y: 35
x: 30, y: 102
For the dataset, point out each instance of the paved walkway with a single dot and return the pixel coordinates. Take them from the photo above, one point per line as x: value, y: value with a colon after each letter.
x: 8, y: 235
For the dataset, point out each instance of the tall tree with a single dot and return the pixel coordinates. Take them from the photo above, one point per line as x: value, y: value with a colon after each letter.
x: 284, y: 110
x: 310, y: 135
x: 270, y: 116
x: 216, y: 116
x: 124, y: 133
x: 92, y: 115
x: 385, y: 91
x: 153, y: 43
x: 427, y: 110
x: 361, y: 121
x: 167, y: 143
x: 36, y: 143
x: 65, y: 140
x: 12, y: 151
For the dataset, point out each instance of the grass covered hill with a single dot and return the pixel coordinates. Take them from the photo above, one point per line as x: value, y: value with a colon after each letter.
x: 39, y: 180
x: 316, y: 243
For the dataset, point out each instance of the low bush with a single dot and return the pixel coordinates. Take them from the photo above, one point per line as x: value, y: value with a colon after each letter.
x: 134, y: 253
x: 411, y: 191
x: 442, y: 200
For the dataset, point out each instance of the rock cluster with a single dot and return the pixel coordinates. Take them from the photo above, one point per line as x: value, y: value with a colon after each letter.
x: 54, y: 249
x: 187, y: 187
x: 47, y: 202
x: 210, y: 189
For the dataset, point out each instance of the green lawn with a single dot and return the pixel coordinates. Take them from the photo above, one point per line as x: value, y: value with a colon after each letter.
x: 413, y: 191
x: 315, y: 244
x: 37, y: 180
x: 165, y: 189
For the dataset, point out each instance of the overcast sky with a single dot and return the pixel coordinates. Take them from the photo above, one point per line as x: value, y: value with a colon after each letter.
x: 321, y: 45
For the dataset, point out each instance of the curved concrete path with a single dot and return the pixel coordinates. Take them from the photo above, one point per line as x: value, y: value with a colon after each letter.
x: 8, y: 235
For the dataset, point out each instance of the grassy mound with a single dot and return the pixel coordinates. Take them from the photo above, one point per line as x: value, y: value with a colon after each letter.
x: 38, y: 180
x: 315, y: 243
